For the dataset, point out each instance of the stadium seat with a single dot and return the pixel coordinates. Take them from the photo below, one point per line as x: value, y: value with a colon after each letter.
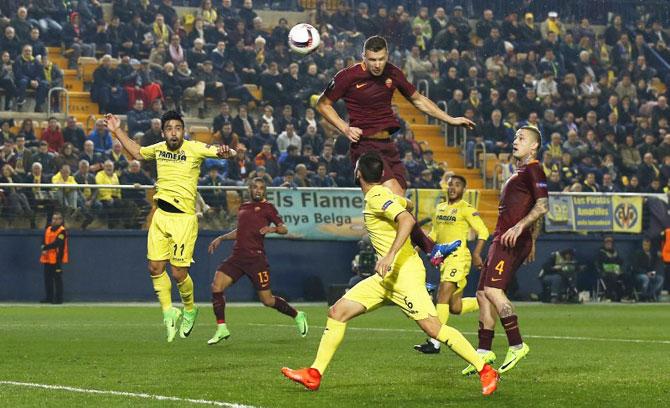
x: 201, y: 134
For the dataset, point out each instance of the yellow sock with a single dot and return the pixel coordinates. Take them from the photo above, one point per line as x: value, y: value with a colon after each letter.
x: 330, y: 341
x: 460, y: 345
x: 186, y: 292
x: 163, y: 289
x: 470, y: 304
x: 442, y: 312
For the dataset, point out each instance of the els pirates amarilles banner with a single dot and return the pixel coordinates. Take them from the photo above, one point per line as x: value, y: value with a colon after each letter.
x: 594, y: 213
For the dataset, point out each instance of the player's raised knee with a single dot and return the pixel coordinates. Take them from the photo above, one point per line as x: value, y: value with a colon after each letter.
x: 456, y: 309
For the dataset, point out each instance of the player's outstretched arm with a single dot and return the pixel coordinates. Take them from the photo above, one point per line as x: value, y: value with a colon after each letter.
x: 540, y: 208
x: 428, y: 107
x: 405, y: 224
x: 217, y: 241
x: 325, y: 108
x: 113, y: 123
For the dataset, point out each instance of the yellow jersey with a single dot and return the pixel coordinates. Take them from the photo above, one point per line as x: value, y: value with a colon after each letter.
x: 381, y: 209
x: 106, y: 194
x: 452, y: 222
x: 178, y: 171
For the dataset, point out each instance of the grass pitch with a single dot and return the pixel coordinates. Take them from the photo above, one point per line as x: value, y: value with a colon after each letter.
x: 581, y: 356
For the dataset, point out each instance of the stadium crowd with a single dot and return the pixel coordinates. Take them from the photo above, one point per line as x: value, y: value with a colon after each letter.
x: 598, y: 97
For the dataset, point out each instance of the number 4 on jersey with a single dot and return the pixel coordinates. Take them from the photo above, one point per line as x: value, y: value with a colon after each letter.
x: 500, y: 267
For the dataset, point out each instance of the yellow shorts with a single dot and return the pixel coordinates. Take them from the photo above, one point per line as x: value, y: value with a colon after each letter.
x: 455, y: 270
x: 404, y: 286
x: 172, y: 237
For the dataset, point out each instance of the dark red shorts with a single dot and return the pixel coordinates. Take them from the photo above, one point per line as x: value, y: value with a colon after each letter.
x: 393, y: 167
x: 256, y: 269
x: 502, y: 263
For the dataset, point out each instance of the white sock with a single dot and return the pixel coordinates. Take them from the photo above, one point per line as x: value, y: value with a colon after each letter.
x: 436, y: 343
x: 482, y: 351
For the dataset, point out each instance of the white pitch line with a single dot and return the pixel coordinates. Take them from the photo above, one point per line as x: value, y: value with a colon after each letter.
x: 125, y: 394
x: 380, y: 329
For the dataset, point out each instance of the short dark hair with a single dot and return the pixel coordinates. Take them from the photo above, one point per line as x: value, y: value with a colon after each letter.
x: 535, y: 131
x: 459, y: 177
x: 371, y: 166
x: 258, y: 180
x: 171, y: 115
x: 375, y: 43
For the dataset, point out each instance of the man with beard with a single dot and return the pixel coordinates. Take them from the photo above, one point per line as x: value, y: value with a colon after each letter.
x: 174, y: 225
x: 254, y: 221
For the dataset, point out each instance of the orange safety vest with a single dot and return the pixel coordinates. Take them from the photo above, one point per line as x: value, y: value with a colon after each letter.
x: 50, y: 256
x: 666, y: 247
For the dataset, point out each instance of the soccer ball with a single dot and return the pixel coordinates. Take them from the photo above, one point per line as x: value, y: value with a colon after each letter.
x: 303, y: 39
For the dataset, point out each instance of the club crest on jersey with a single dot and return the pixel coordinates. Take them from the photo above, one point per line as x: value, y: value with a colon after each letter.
x: 388, y: 82
x: 454, y: 211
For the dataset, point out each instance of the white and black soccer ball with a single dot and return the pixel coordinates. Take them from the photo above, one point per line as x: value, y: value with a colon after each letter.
x: 303, y: 38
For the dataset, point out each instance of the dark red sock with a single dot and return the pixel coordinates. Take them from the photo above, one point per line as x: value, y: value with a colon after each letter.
x: 282, y: 306
x: 511, y: 326
x: 421, y: 239
x: 219, y: 305
x: 485, y: 337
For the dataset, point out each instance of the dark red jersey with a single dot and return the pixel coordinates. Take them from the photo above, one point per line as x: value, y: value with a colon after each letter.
x: 368, y: 97
x: 518, y: 197
x: 251, y: 217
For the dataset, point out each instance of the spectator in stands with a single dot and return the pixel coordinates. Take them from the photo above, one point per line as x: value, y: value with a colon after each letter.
x: 21, y: 25
x: 244, y: 125
x: 634, y: 185
x: 648, y: 170
x: 73, y: 33
x: 94, y: 159
x: 11, y: 43
x: 134, y: 200
x: 45, y: 157
x: 16, y: 201
x: 110, y: 198
x: 288, y: 138
x: 645, y: 269
x: 226, y: 135
x: 118, y: 157
x: 101, y: 138
x: 234, y: 86
x: 289, y: 159
x: 285, y: 181
x: 153, y: 135
x: 24, y: 157
x: 261, y: 138
x: 67, y: 155
x: 322, y: 178
x: 29, y: 73
x: 301, y: 178
x: 105, y: 85
x: 217, y: 198
x: 53, y: 136
x: 608, y: 185
x: 266, y: 159
x: 271, y: 85
x: 610, y: 269
x: 7, y: 79
x: 89, y: 203
x: 214, y: 88
x: 590, y: 185
x: 39, y: 49
x: 138, y: 119
x: 66, y: 199
x: 554, y: 182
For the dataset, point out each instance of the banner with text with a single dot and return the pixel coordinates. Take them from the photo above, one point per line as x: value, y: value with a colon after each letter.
x: 334, y: 214
x: 320, y: 214
x: 594, y: 213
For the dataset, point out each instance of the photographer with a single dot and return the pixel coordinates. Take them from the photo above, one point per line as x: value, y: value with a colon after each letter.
x: 644, y: 270
x: 559, y: 275
x: 364, y: 262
